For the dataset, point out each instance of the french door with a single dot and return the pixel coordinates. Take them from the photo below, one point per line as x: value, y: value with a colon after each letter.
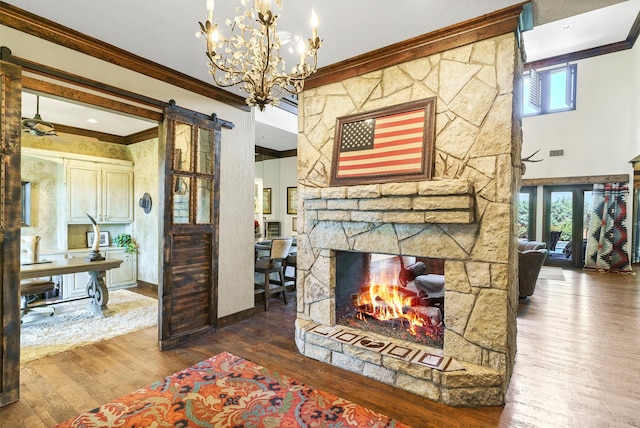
x: 527, y: 213
x: 566, y: 211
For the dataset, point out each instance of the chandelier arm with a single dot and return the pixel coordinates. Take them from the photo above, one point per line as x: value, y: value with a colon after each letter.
x: 285, y: 86
x: 263, y: 82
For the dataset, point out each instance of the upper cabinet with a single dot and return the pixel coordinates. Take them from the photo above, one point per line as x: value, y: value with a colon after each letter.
x: 104, y: 191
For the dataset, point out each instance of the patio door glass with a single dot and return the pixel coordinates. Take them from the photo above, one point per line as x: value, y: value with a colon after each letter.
x: 527, y: 213
x: 566, y: 219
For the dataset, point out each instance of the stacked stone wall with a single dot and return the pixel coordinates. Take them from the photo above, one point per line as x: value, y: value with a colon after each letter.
x: 465, y: 214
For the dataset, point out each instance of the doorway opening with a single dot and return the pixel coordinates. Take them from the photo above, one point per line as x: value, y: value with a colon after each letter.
x: 558, y: 215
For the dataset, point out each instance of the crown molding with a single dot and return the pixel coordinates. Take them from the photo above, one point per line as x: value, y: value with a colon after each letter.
x: 100, y: 136
x: 274, y: 154
x: 45, y: 29
x: 595, y: 179
x: 481, y: 28
x: 50, y: 88
x: 142, y: 136
x: 78, y: 81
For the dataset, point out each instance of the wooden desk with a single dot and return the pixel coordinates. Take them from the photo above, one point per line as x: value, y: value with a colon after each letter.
x: 96, y: 289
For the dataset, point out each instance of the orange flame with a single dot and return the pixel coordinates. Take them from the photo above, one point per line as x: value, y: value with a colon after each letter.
x: 387, y: 302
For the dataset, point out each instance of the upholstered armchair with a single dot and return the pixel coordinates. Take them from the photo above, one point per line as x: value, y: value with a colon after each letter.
x: 531, y: 257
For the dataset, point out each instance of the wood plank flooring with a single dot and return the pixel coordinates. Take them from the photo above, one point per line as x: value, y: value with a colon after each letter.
x: 577, y: 364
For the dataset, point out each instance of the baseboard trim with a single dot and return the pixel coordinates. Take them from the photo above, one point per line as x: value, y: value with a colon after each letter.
x: 147, y: 285
x: 237, y: 317
x: 221, y: 322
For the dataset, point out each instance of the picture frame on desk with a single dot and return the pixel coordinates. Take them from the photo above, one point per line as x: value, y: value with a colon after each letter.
x: 104, y: 239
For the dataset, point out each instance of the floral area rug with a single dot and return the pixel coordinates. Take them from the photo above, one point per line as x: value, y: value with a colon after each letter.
x: 229, y: 391
x: 75, y: 324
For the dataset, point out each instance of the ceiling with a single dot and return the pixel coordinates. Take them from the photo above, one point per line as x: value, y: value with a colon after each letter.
x: 164, y: 31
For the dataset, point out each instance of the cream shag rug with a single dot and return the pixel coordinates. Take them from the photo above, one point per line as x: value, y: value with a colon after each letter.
x: 74, y: 324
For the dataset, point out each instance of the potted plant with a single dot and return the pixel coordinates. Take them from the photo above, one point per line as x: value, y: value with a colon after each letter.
x: 125, y: 241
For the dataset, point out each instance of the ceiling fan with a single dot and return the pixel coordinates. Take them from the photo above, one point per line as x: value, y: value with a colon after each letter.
x: 37, y: 126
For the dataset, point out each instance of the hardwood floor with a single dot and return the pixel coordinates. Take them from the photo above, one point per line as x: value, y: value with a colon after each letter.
x: 577, y: 364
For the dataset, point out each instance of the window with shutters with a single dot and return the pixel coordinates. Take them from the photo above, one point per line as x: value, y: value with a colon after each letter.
x: 549, y: 91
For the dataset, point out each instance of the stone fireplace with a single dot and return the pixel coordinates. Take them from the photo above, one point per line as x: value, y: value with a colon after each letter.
x: 464, y: 216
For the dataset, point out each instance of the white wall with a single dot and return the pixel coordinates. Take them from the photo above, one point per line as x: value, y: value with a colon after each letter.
x: 601, y: 136
x: 598, y: 137
x: 236, y: 256
x: 635, y: 93
x: 278, y: 174
x: 145, y: 226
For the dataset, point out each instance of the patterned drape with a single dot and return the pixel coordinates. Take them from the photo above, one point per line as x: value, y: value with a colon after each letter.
x: 607, y: 242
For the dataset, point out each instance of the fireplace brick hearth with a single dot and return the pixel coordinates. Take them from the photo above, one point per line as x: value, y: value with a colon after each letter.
x: 464, y: 215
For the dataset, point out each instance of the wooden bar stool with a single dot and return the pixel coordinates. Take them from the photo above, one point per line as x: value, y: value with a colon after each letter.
x: 274, y: 263
x: 292, y: 260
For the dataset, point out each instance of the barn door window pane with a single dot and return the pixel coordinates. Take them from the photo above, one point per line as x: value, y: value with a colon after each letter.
x: 181, y: 196
x: 205, y: 152
x: 182, y: 148
x: 203, y: 200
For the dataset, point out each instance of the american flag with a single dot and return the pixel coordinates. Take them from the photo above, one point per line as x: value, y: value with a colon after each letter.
x: 385, y: 145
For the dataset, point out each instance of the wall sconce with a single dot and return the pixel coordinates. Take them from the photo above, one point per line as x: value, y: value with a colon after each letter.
x: 145, y: 203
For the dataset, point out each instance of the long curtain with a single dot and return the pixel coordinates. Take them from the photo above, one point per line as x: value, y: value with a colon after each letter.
x: 608, y: 246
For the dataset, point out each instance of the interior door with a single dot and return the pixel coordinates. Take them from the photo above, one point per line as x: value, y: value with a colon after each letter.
x: 188, y: 275
x: 10, y: 128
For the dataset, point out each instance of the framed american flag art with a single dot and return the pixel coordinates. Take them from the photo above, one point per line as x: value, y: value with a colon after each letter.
x: 389, y: 144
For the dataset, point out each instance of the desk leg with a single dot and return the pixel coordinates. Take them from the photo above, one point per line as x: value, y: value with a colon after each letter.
x: 97, y: 290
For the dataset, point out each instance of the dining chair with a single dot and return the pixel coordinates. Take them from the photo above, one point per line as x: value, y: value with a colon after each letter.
x: 275, y: 262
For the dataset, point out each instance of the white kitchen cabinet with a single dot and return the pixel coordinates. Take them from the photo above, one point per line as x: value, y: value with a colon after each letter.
x: 125, y: 276
x: 104, y: 191
x: 74, y: 285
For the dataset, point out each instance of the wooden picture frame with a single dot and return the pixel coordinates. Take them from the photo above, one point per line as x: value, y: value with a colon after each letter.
x: 266, y: 200
x: 294, y: 224
x: 104, y: 239
x: 391, y: 144
x: 292, y: 200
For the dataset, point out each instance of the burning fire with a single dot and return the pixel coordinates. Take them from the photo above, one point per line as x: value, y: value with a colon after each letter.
x: 387, y: 306
x: 385, y: 300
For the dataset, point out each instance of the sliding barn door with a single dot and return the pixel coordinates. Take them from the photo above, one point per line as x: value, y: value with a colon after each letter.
x: 190, y: 176
x: 10, y: 128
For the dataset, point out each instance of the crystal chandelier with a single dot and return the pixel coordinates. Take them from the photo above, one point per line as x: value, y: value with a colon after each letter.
x: 250, y: 56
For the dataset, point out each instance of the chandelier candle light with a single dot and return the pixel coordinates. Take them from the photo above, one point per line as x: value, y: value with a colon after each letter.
x: 250, y: 57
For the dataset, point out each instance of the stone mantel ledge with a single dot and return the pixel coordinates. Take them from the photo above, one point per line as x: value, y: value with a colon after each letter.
x: 436, y: 201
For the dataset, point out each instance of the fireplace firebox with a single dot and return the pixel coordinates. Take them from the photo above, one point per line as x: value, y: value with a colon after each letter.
x: 395, y: 296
